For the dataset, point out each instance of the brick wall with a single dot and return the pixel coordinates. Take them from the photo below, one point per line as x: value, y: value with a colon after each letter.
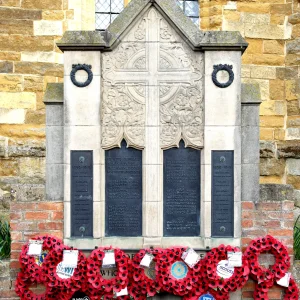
x: 273, y: 215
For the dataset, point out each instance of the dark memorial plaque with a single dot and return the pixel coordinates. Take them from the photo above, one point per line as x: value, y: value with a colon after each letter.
x: 181, y: 191
x: 82, y: 193
x: 123, y: 191
x: 222, y: 193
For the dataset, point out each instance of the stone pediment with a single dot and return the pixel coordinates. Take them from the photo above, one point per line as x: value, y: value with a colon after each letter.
x: 171, y: 12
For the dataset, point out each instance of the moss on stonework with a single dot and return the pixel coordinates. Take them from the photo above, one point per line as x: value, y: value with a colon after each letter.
x: 54, y: 93
x: 250, y: 93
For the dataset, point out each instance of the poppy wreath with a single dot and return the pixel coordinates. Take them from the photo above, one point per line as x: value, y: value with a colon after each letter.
x: 261, y: 291
x: 99, y: 286
x: 275, y: 272
x: 213, y: 280
x: 141, y: 285
x: 23, y: 285
x: 218, y: 295
x: 166, y: 265
x: 64, y: 285
x: 28, y: 262
x: 292, y: 291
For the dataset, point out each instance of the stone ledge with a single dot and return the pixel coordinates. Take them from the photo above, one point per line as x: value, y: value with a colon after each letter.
x: 82, y: 40
x: 250, y: 94
x: 54, y: 93
x: 276, y: 192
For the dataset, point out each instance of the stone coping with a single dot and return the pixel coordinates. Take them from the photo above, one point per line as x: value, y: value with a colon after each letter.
x: 54, y: 93
x: 195, y: 38
x: 250, y: 94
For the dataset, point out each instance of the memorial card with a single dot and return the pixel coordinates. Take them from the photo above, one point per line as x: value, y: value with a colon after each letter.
x: 109, y: 259
x: 146, y: 261
x: 70, y: 258
x: 234, y: 259
x: 35, y: 247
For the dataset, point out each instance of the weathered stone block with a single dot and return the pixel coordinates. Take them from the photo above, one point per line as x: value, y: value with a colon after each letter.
x: 291, y: 88
x: 268, y: 108
x: 264, y: 59
x: 284, y: 9
x: 44, y: 27
x: 271, y: 167
x: 53, y: 15
x: 293, y: 108
x: 258, y: 8
x: 8, y: 167
x: 29, y: 192
x: 276, y: 192
x: 277, y: 89
x: 6, y: 67
x: 5, y: 55
x: 32, y: 170
x: 263, y: 86
x: 263, y: 72
x: 35, y: 117
x: 10, y: 83
x: 23, y: 131
x: 3, y: 146
x: 293, y: 133
x: 267, y: 149
x: 286, y: 72
x: 293, y: 47
x: 264, y: 31
x: 16, y: 27
x: 274, y: 47
x: 19, y: 14
x: 30, y: 43
x: 294, y: 181
x: 272, y: 121
x: 266, y: 134
x: 255, y: 46
x: 48, y: 69
x: 17, y: 100
x: 294, y: 18
x: 12, y: 116
x: 11, y: 3
x: 42, y: 4
x: 30, y: 147
x: 293, y: 166
x: 33, y: 83
x: 293, y: 121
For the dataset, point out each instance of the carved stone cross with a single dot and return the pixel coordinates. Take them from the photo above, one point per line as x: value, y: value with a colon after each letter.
x: 152, y: 71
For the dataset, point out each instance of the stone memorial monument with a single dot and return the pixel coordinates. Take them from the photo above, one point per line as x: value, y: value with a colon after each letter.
x: 152, y: 140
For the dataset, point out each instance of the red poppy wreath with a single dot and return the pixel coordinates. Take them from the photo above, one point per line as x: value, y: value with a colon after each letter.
x: 31, y: 265
x: 96, y: 284
x: 64, y: 279
x: 143, y: 282
x: 282, y: 260
x: 173, y: 275
x: 23, y: 289
x: 210, y: 264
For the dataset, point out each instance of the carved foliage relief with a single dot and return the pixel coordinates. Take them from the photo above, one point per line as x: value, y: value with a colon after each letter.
x: 152, y: 56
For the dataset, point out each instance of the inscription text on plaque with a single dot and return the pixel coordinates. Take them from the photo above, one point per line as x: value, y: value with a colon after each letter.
x: 123, y: 191
x: 181, y: 191
x: 222, y: 193
x: 82, y: 193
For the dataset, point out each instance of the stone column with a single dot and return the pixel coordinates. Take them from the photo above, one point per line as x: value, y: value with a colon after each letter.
x: 82, y: 130
x: 250, y: 142
x: 54, y: 141
x: 222, y: 131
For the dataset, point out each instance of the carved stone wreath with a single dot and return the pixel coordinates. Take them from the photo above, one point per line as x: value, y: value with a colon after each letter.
x: 84, y: 67
x: 228, y: 69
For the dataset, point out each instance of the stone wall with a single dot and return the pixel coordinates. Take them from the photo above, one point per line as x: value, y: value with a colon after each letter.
x: 271, y: 28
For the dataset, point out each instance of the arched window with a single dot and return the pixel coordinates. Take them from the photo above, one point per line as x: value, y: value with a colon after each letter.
x: 106, y: 11
x: 190, y: 9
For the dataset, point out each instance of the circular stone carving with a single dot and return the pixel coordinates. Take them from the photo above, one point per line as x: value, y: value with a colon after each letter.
x: 228, y: 69
x: 179, y: 270
x: 84, y: 67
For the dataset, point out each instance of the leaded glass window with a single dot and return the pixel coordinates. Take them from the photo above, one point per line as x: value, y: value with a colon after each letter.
x: 106, y: 11
x: 190, y: 9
